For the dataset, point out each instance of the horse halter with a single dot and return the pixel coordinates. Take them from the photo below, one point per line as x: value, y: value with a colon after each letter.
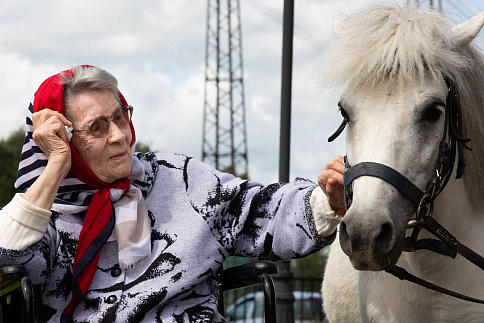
x: 452, y: 144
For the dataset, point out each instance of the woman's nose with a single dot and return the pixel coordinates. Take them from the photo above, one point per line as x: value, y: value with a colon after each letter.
x: 115, y: 133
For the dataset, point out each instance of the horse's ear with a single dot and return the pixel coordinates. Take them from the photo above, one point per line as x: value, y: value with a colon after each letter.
x: 339, y: 23
x: 465, y: 32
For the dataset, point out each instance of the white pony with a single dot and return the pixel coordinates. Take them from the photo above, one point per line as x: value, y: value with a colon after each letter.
x: 396, y: 65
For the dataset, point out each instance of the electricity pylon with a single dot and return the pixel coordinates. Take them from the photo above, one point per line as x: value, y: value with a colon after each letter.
x: 432, y: 3
x: 224, y: 143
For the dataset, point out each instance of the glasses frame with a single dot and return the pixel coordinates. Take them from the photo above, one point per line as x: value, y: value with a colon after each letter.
x: 87, y: 128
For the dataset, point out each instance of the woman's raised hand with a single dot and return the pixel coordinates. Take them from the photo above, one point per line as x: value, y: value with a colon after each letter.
x: 51, y: 136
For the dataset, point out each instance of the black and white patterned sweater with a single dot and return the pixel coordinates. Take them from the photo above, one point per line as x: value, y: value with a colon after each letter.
x: 199, y: 217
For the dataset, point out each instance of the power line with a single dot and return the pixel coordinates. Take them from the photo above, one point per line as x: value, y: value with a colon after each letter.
x: 276, y: 17
x: 461, y: 8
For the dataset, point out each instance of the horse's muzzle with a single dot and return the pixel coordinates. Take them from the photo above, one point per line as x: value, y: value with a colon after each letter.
x: 370, y: 245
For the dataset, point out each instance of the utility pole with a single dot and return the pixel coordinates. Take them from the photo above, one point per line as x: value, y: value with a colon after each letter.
x: 283, y: 280
x: 224, y: 143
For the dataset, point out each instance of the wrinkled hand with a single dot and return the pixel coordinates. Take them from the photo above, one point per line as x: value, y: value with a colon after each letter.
x: 51, y: 136
x: 331, y: 181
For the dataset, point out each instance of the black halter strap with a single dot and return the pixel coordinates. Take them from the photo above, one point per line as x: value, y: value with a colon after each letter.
x: 431, y: 225
x: 401, y: 273
x: 387, y: 174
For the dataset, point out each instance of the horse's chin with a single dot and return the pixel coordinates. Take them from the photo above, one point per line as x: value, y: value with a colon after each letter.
x: 366, y: 262
x: 372, y: 264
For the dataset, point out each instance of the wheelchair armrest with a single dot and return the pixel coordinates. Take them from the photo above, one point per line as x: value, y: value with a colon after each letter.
x: 12, y: 272
x: 13, y: 277
x: 251, y: 274
x: 245, y: 274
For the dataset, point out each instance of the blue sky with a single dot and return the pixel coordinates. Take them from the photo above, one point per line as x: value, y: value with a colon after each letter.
x: 156, y: 49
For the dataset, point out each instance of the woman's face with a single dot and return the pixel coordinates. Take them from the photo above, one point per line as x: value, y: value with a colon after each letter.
x: 109, y: 157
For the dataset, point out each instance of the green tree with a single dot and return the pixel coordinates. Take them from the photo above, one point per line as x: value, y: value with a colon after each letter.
x: 142, y: 148
x: 310, y: 266
x: 10, y: 150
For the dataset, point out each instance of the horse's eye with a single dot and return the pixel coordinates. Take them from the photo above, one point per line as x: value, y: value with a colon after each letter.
x: 432, y: 113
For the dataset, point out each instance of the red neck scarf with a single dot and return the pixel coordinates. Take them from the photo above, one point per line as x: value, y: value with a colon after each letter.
x: 100, y: 218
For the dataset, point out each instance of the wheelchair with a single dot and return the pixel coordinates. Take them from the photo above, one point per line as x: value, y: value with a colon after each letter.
x: 254, y: 273
x: 17, y: 295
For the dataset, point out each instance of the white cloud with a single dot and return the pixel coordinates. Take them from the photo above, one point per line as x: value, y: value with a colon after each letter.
x: 156, y: 49
x: 19, y: 79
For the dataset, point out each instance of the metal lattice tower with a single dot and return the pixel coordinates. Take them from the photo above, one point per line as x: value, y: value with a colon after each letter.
x: 431, y: 3
x: 224, y: 129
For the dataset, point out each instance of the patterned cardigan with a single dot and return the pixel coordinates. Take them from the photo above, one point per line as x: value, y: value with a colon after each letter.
x: 199, y: 217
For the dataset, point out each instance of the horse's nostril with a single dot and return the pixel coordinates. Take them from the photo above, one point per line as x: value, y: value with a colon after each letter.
x: 344, y: 238
x: 342, y: 226
x: 384, y: 240
x: 342, y: 230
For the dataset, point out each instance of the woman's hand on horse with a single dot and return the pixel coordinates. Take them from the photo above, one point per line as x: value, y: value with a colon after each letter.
x: 331, y: 181
x: 51, y: 136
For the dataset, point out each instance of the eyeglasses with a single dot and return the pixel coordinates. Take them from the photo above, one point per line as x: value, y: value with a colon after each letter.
x: 100, y: 127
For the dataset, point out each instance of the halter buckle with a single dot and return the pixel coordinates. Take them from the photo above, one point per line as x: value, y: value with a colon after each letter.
x: 415, y: 223
x: 425, y: 207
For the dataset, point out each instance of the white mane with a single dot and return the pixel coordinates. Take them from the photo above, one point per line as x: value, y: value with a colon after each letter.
x: 392, y: 42
x: 405, y: 43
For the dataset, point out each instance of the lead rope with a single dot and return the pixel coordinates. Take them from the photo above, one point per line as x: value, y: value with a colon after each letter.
x: 402, y: 274
x: 440, y: 232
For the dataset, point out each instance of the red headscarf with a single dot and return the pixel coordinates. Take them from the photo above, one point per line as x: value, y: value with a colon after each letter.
x: 100, y: 219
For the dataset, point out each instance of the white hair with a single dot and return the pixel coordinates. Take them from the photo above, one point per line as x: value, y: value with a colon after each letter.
x: 88, y: 78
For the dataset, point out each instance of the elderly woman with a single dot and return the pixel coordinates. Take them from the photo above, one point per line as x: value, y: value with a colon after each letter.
x: 109, y: 235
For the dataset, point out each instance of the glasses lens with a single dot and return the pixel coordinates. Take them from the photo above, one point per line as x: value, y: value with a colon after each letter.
x: 121, y: 118
x: 98, y: 127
